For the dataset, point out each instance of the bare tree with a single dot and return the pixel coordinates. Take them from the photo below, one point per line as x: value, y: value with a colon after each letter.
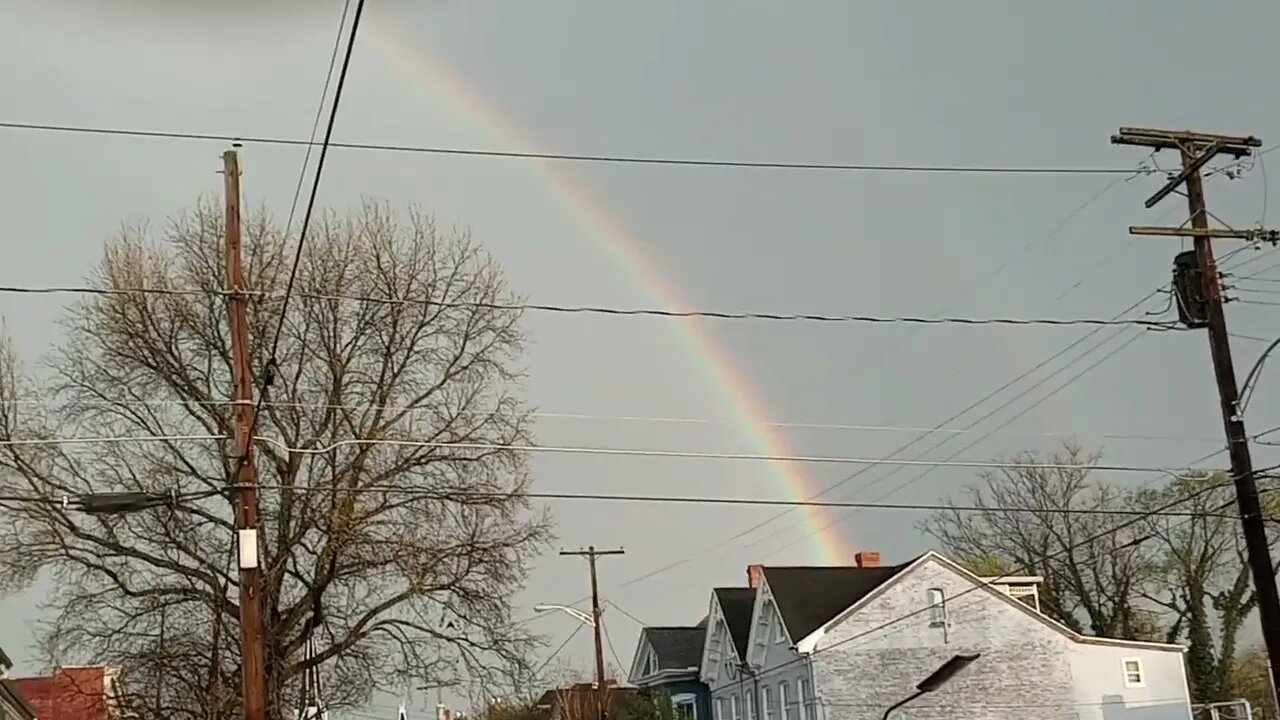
x: 1094, y: 577
x: 392, y: 546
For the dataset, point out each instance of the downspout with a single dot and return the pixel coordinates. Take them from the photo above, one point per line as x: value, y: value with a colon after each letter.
x: 813, y: 690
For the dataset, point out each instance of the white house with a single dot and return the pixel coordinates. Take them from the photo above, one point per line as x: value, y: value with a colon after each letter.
x: 846, y: 643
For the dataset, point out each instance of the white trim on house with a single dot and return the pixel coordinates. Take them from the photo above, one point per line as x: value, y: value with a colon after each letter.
x: 807, y: 644
x: 776, y: 622
x: 715, y: 622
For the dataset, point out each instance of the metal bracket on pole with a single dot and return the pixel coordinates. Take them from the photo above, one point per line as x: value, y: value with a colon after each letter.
x: 1192, y: 167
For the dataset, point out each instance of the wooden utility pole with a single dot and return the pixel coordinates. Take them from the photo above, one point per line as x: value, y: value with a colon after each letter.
x: 244, y: 496
x: 591, y: 553
x: 1199, y: 294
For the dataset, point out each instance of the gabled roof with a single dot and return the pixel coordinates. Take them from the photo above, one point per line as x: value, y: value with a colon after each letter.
x: 71, y: 693
x: 737, y: 604
x: 677, y: 648
x: 807, y: 643
x: 809, y: 597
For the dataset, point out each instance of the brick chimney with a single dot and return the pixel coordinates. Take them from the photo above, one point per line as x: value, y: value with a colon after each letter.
x: 867, y: 559
x: 755, y: 574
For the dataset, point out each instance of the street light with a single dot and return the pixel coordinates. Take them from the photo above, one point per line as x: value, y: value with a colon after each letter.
x: 581, y: 617
x: 936, y: 680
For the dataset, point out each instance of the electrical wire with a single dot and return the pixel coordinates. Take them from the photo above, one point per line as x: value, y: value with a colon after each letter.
x: 555, y: 653
x: 572, y: 157
x: 604, y: 630
x: 127, y: 502
x: 728, y: 542
x: 1250, y: 380
x: 268, y: 374
x: 622, y: 610
x: 315, y: 123
x: 613, y: 311
x: 573, y: 450
x: 56, y: 403
x: 897, y: 488
x: 974, y: 288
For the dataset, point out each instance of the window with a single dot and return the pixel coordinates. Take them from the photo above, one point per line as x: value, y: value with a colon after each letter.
x: 737, y: 710
x: 686, y: 707
x: 766, y: 702
x: 650, y: 664
x: 722, y: 708
x: 806, y: 701
x: 753, y: 707
x: 937, y: 607
x: 784, y: 701
x: 779, y: 632
x: 1133, y: 673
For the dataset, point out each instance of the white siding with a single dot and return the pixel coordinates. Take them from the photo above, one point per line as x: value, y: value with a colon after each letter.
x: 1027, y: 669
x: 1101, y: 691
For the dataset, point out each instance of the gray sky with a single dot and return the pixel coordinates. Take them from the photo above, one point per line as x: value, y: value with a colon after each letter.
x: 979, y: 83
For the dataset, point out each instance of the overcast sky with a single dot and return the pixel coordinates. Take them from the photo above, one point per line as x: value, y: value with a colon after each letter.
x: 1013, y: 83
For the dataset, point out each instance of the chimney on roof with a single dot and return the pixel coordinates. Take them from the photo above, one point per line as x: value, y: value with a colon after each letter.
x: 755, y: 574
x: 867, y: 559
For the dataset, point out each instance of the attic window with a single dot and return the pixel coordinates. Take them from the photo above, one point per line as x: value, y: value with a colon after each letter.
x: 1133, y: 677
x: 650, y: 664
x: 937, y: 607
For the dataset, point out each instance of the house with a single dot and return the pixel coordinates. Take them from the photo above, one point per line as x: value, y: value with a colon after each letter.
x: 12, y: 705
x: 668, y: 658
x: 847, y: 643
x: 73, y: 693
x: 580, y: 701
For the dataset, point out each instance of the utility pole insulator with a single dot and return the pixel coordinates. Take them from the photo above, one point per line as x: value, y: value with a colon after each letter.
x: 1196, y: 281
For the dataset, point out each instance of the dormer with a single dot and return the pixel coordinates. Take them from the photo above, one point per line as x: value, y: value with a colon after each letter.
x: 1025, y: 588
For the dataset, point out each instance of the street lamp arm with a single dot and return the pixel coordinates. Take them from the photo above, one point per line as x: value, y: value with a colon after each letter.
x: 582, y: 617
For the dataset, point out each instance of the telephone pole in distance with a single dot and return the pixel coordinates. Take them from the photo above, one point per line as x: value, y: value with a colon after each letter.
x: 591, y: 553
x: 253, y: 678
x: 1198, y: 292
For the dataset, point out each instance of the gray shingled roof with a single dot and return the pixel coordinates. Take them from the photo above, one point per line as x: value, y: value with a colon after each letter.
x: 809, y: 597
x: 737, y: 605
x: 677, y: 648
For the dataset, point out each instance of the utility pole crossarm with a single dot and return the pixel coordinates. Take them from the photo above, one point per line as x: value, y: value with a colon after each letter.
x: 1236, y: 146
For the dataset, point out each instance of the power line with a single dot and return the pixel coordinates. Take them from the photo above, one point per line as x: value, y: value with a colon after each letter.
x: 912, y: 480
x: 463, y: 495
x: 555, y: 653
x: 603, y: 310
x: 56, y: 403
x: 572, y: 450
x: 268, y: 374
x: 315, y: 123
x: 729, y: 540
x: 622, y: 610
x: 573, y: 157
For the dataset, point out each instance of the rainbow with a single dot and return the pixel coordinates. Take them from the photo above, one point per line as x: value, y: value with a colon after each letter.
x: 750, y: 416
